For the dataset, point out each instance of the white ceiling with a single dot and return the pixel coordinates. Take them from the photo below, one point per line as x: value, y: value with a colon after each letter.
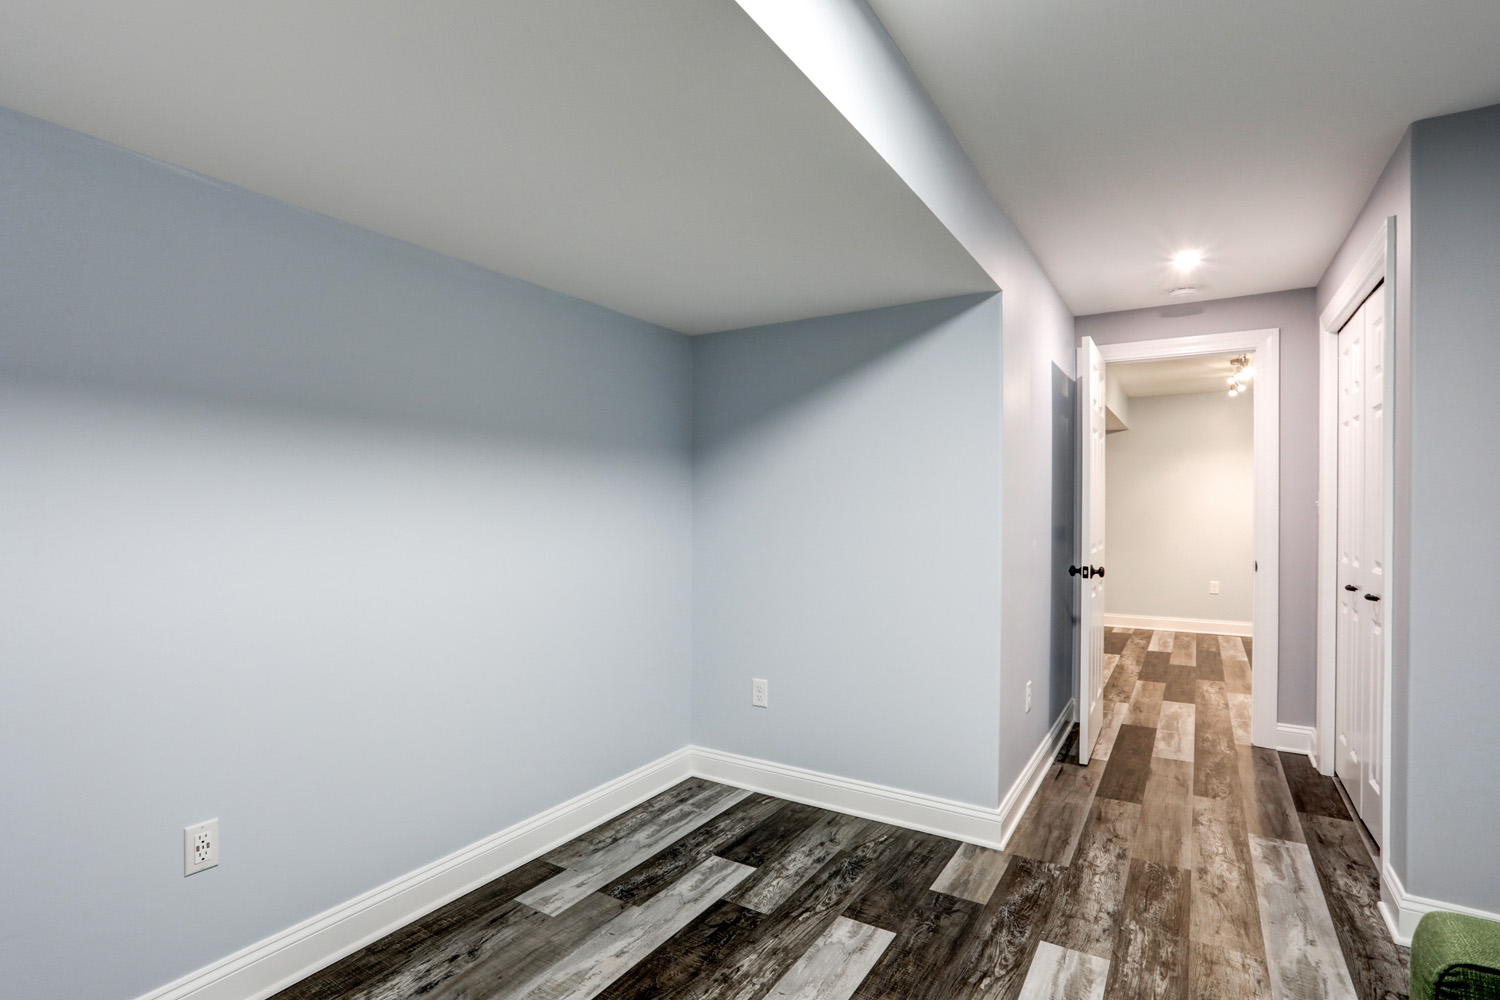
x: 1117, y: 133
x: 1175, y: 376
x: 660, y: 157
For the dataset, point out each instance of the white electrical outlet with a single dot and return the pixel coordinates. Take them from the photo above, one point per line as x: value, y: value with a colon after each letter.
x: 760, y: 692
x: 1028, y: 696
x: 1213, y: 586
x: 200, y: 847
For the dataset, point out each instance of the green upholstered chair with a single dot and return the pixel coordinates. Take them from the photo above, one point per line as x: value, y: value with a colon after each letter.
x: 1454, y: 957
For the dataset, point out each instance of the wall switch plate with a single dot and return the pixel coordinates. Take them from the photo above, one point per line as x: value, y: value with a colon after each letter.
x: 760, y: 692
x: 200, y: 847
x: 1028, y: 696
x: 1213, y: 586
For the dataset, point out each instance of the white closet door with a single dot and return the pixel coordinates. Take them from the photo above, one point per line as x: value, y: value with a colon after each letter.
x: 1360, y: 666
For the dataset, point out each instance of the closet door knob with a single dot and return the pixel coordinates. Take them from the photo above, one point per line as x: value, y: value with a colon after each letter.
x: 1351, y: 588
x: 1079, y: 570
x: 1372, y: 597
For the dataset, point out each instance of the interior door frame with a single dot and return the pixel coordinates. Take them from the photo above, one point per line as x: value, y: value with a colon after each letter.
x: 1376, y: 264
x: 1265, y: 730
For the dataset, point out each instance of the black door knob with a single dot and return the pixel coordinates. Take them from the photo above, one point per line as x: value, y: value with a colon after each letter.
x: 1372, y: 597
x: 1076, y: 570
x: 1099, y: 571
x: 1351, y: 588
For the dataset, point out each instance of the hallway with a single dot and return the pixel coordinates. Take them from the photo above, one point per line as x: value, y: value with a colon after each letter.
x: 1182, y: 862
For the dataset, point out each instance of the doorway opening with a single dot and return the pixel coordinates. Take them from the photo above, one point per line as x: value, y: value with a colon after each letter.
x: 1197, y: 494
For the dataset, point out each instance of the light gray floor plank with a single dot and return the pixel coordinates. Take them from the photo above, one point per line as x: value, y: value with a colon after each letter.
x: 778, y: 878
x: 833, y: 967
x: 1059, y: 974
x: 1185, y: 649
x: 607, y: 864
x: 972, y: 873
x: 1145, y: 704
x: 1302, y: 948
x: 1114, y: 715
x: 1162, y: 642
x: 617, y: 829
x: 601, y: 959
x: 1239, y: 716
x: 1174, y: 731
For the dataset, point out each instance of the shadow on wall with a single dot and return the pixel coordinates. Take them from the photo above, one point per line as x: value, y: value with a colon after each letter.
x: 775, y: 375
x: 1064, y: 525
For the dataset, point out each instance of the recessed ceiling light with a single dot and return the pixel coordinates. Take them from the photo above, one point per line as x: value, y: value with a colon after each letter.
x: 1187, y: 260
x: 1184, y: 290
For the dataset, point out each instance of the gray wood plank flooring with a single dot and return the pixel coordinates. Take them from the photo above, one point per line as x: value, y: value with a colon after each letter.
x: 1182, y: 862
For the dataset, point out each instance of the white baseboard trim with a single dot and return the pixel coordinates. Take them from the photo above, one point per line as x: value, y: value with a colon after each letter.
x: 1203, y: 625
x: 1402, y: 910
x: 912, y: 810
x: 275, y: 963
x: 1295, y: 739
x: 271, y: 965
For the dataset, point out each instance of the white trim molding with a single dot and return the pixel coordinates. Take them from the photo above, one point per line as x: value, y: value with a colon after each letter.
x: 1201, y: 625
x: 271, y: 965
x: 1267, y: 587
x: 913, y: 810
x: 1295, y: 739
x: 1402, y: 911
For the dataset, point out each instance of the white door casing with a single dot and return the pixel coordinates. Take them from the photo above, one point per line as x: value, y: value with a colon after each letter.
x: 1359, y: 698
x: 1090, y: 548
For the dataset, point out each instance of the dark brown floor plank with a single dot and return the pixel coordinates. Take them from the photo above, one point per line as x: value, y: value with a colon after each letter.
x: 1269, y: 811
x: 1312, y: 793
x: 1249, y: 645
x: 1210, y: 666
x: 779, y: 877
x: 966, y: 955
x: 1093, y: 886
x: 1181, y: 683
x: 915, y: 861
x: 1215, y: 762
x: 1225, y: 912
x: 1351, y: 883
x: 1129, y: 766
x: 430, y: 950
x: 1150, y: 956
x: 665, y: 867
x: 1049, y: 830
x: 1114, y: 642
x: 1220, y: 974
x: 773, y: 836
x: 1154, y: 666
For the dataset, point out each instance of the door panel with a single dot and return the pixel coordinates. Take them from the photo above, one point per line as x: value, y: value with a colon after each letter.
x: 1359, y: 697
x: 1090, y: 548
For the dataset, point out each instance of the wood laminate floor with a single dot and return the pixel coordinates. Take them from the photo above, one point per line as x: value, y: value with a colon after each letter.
x: 1181, y: 862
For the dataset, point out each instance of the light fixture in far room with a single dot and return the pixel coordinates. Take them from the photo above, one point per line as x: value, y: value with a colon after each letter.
x: 1244, y: 371
x: 1187, y: 261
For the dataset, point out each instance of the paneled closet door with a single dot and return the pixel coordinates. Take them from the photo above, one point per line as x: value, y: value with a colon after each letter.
x: 1360, y: 666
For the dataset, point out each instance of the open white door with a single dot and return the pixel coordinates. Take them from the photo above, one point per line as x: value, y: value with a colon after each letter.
x: 1090, y: 568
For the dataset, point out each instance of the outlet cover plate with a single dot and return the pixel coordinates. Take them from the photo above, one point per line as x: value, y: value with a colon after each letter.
x: 200, y: 847
x: 760, y: 692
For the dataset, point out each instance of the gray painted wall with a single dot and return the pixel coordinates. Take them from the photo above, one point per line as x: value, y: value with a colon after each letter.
x: 302, y: 526
x: 1453, y: 682
x: 1180, y: 508
x: 847, y: 544
x: 1391, y: 196
x: 1293, y: 313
